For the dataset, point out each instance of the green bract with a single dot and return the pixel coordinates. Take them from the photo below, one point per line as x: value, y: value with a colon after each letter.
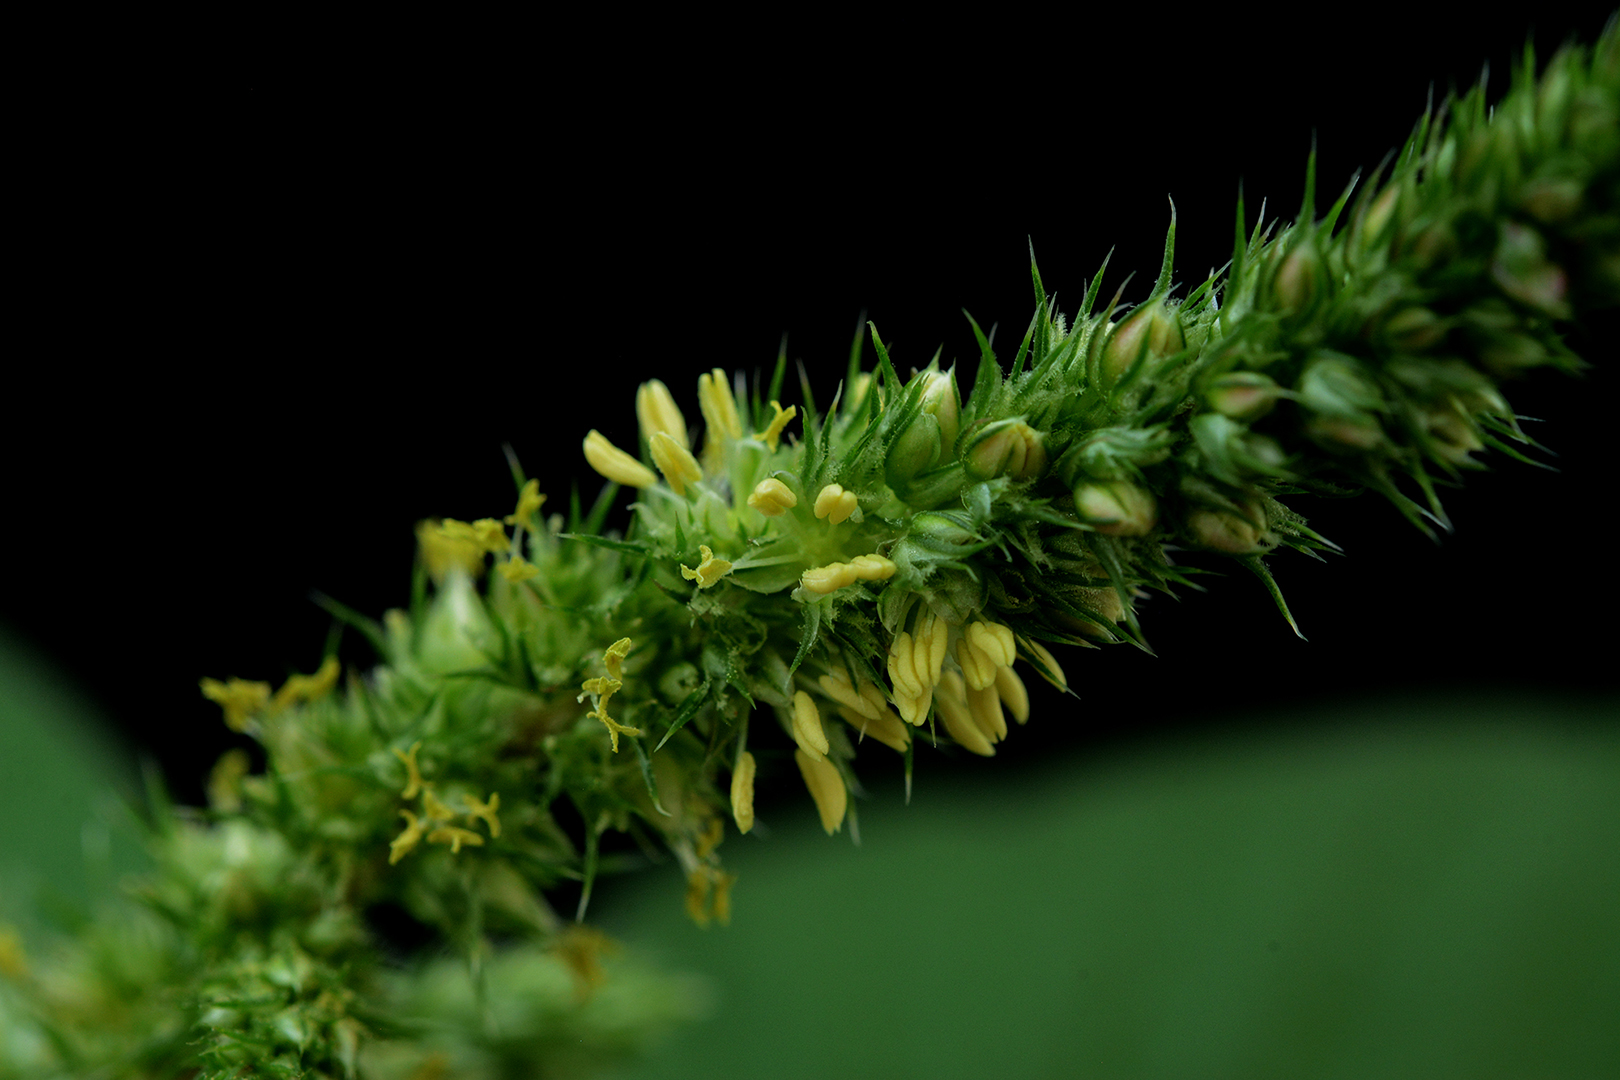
x: 876, y: 571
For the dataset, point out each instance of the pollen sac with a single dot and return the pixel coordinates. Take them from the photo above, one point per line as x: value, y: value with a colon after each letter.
x: 885, y: 727
x: 959, y: 722
x: 807, y: 729
x: 829, y: 578
x: 742, y: 792
x: 772, y: 498
x: 835, y: 504
x: 658, y: 414
x: 614, y: 464
x: 674, y: 461
x: 826, y: 788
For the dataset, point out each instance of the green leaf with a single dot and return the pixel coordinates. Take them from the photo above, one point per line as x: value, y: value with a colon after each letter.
x: 683, y: 715
x: 647, y: 774
x: 370, y: 628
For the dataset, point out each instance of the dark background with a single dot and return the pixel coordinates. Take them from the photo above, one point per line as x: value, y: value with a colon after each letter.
x: 278, y: 320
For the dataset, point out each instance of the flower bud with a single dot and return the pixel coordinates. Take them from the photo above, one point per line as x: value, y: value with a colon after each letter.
x: 1117, y: 509
x: 1151, y: 332
x: 1233, y: 533
x: 915, y: 450
x: 1414, y: 329
x: 940, y: 401
x: 1522, y: 271
x: 1451, y: 434
x: 1337, y: 385
x: 1298, y: 280
x: 1354, y: 433
x: 1243, y: 395
x: 1008, y: 448
x: 656, y: 409
x: 1370, y: 230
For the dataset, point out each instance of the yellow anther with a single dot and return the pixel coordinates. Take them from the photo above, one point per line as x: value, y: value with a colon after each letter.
x: 413, y: 781
x: 872, y: 567
x: 307, y: 687
x: 239, y: 698
x: 455, y: 836
x: 674, y: 461
x: 529, y: 503
x: 807, y: 729
x: 722, y: 897
x: 485, y: 534
x: 709, y: 571
x: 445, y: 551
x: 886, y: 727
x: 835, y: 504
x: 719, y: 407
x: 613, y: 658
x: 615, y: 464
x: 985, y: 708
x: 405, y: 841
x: 742, y: 792
x: 656, y: 409
x: 902, y: 669
x: 977, y: 668
x: 486, y: 811
x: 603, y: 686
x: 13, y: 961
x: 826, y: 788
x: 1053, y: 673
x: 953, y: 710
x: 772, y: 498
x: 933, y: 635
x: 995, y: 641
x: 698, y: 884
x: 773, y: 431
x: 433, y: 807
x: 829, y: 578
x: 837, y: 686
x: 1013, y: 693
x: 518, y: 569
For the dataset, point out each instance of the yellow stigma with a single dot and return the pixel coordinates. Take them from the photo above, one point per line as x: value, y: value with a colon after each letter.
x: 656, y: 409
x: 486, y: 811
x: 773, y: 431
x: 615, y: 464
x: 872, y: 567
x: 601, y: 689
x: 826, y: 788
x: 772, y: 498
x: 413, y: 778
x: 529, y: 503
x: 433, y: 807
x: 455, y: 836
x: 307, y: 688
x: 407, y: 840
x: 674, y: 461
x: 709, y: 571
x: 518, y: 569
x: 835, y: 504
x: 239, y: 698
x: 742, y: 792
x: 807, y: 729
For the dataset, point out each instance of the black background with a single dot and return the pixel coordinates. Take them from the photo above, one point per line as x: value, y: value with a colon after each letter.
x: 276, y: 319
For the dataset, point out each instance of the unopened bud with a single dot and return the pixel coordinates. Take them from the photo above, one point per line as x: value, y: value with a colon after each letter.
x: 1452, y: 436
x: 915, y: 451
x: 1243, y: 395
x: 1333, y: 384
x: 1355, y: 433
x: 1231, y: 532
x: 1414, y: 329
x: 1370, y: 230
x: 1117, y: 509
x: 1297, y: 282
x: 939, y: 400
x: 1150, y: 332
x: 1008, y: 448
x: 1522, y: 271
